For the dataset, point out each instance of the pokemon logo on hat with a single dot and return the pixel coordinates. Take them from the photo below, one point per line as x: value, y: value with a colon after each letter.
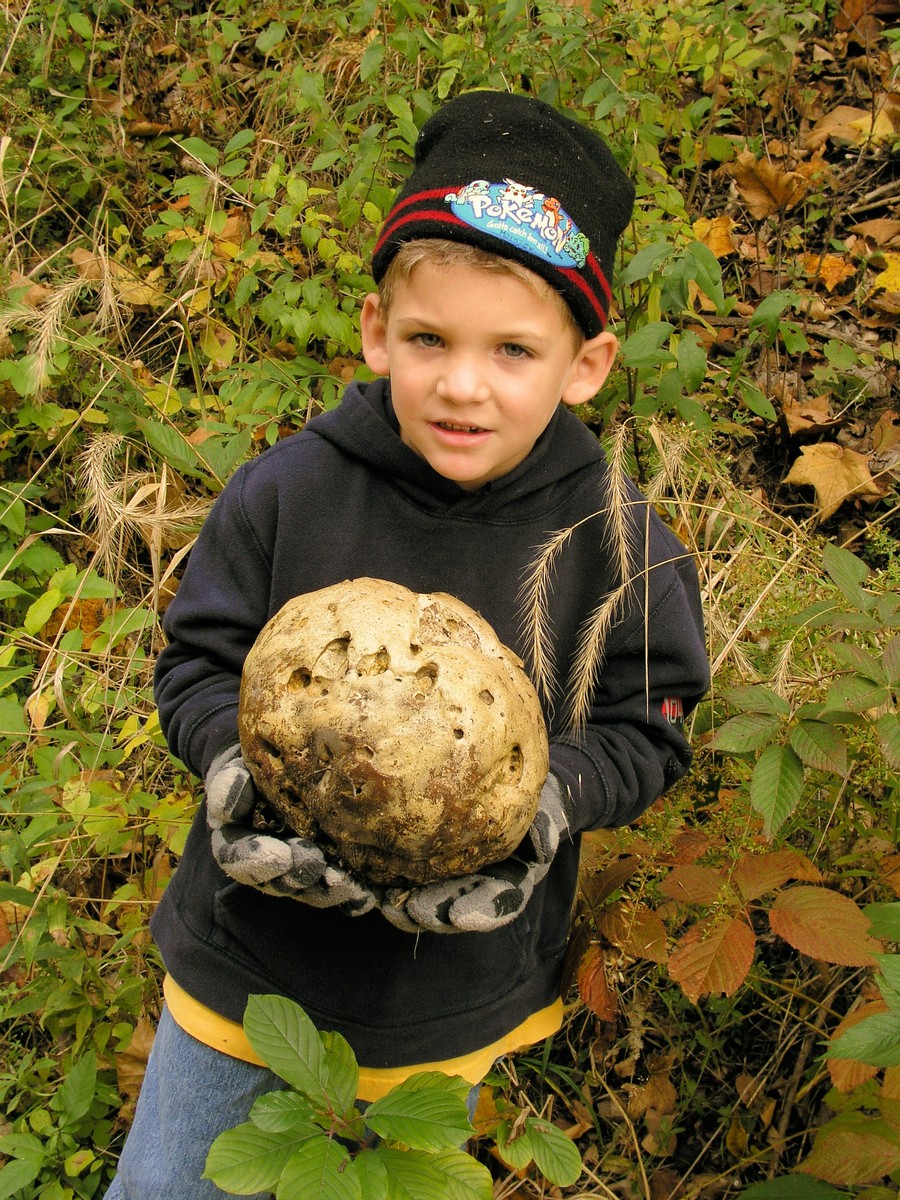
x: 521, y: 180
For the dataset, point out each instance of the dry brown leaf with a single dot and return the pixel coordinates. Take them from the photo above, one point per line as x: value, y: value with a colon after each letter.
x: 87, y: 265
x: 812, y: 415
x: 131, y: 1063
x: 765, y: 187
x: 36, y: 294
x: 716, y: 234
x: 885, y: 432
x: 636, y: 930
x: 851, y: 126
x: 593, y: 986
x: 880, y: 230
x: 836, y: 474
x: 657, y: 1093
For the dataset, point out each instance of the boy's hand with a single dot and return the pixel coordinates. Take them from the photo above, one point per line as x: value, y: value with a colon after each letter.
x: 230, y: 794
x: 492, y: 897
x: 291, y: 866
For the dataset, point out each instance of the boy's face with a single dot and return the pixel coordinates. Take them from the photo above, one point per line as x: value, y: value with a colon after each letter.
x: 478, y: 362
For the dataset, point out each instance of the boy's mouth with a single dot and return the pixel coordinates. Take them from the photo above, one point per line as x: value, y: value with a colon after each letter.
x: 453, y: 428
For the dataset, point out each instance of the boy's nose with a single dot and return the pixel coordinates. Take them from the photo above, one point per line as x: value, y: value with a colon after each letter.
x: 462, y: 382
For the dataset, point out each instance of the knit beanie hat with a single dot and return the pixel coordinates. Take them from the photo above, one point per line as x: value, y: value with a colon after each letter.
x: 519, y: 179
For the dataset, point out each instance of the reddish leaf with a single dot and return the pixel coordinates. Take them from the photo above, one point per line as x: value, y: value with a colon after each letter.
x: 635, y: 929
x: 593, y: 986
x: 853, y: 1149
x: 760, y: 873
x: 598, y: 886
x: 713, y: 957
x: 825, y: 925
x: 697, y: 885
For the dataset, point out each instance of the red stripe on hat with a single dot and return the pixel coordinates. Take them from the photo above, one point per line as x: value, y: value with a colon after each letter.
x: 583, y: 287
x: 421, y: 214
x: 601, y: 278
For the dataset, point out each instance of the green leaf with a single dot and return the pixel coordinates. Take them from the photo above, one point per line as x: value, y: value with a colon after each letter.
x: 247, y: 1159
x: 756, y: 400
x: 12, y: 516
x: 171, y: 445
x: 12, y: 718
x: 855, y: 693
x: 40, y: 612
x: 875, y: 1040
x: 820, y: 745
x: 319, y: 1168
x: 644, y: 348
x: 81, y: 25
x: 17, y: 1175
x: 768, y: 312
x: 645, y: 262
x: 242, y: 138
x: 792, y: 1187
x: 369, y: 1168
x: 890, y: 660
x: 271, y: 36
x: 691, y: 356
x: 746, y: 732
x: 708, y: 273
x: 848, y: 572
x: 372, y: 58
x: 889, y: 983
x: 887, y: 729
x: 202, y: 151
x: 757, y: 698
x: 451, y: 1175
x: 287, y: 1041
x: 76, y: 1095
x: 884, y: 918
x: 426, y: 1112
x: 776, y: 786
x: 555, y: 1155
x: 284, y: 1112
x: 343, y: 1072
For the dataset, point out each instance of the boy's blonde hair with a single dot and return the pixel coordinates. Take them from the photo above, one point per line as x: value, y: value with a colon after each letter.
x: 440, y: 252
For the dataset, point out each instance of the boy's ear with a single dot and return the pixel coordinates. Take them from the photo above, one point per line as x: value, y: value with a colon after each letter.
x: 592, y: 364
x: 374, y: 335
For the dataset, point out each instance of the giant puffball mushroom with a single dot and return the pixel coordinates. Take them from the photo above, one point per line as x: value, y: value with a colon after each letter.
x: 395, y: 729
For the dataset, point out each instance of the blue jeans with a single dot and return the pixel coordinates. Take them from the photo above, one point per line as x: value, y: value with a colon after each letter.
x: 190, y: 1094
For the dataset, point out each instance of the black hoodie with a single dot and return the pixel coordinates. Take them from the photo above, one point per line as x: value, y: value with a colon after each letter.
x: 343, y: 499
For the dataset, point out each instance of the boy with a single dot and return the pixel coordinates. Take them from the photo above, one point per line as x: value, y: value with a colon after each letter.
x: 448, y: 473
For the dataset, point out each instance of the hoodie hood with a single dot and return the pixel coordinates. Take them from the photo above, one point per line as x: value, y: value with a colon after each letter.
x: 365, y: 427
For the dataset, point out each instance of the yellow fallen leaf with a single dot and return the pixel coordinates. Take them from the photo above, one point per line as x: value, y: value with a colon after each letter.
x: 850, y: 126
x: 889, y: 278
x: 715, y: 234
x: 828, y: 269
x: 835, y: 473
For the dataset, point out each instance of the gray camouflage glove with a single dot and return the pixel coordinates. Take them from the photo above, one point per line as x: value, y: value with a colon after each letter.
x: 278, y: 866
x: 494, y: 896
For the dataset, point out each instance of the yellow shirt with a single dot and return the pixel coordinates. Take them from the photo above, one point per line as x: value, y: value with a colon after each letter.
x: 227, y: 1036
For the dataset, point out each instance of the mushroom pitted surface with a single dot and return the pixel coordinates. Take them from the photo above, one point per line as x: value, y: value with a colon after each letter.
x: 395, y: 729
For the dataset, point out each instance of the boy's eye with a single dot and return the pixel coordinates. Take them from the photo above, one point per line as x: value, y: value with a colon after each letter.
x: 514, y: 350
x: 426, y: 339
